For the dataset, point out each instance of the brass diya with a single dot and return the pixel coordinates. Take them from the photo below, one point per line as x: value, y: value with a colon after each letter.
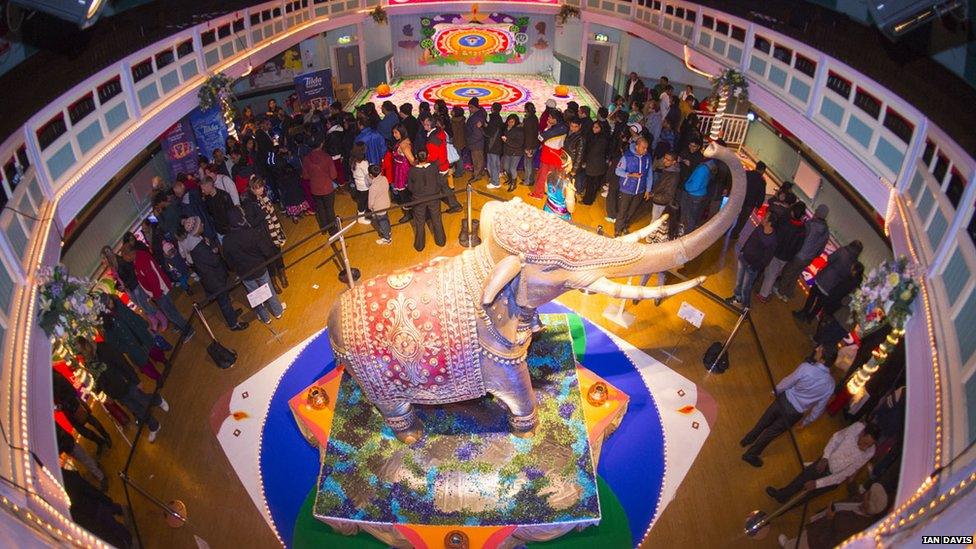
x: 316, y: 398
x: 598, y: 394
x: 456, y: 539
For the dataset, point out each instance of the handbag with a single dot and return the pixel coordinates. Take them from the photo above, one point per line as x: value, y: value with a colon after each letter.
x: 711, y: 354
x: 452, y: 153
x: 222, y: 356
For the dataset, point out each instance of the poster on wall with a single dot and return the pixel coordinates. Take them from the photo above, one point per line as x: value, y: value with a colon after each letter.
x: 315, y: 87
x: 181, y: 151
x: 209, y: 130
x: 280, y: 70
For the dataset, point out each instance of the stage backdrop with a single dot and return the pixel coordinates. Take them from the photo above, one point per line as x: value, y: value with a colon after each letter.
x: 451, y: 42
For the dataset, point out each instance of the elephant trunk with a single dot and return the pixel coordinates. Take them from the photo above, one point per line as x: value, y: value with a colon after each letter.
x: 665, y: 256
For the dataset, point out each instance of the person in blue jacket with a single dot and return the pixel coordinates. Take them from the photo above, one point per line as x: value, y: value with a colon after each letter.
x: 695, y: 195
x: 634, y: 171
x: 375, y: 144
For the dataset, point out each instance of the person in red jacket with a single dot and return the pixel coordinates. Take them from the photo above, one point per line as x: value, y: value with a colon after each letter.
x: 320, y: 170
x: 154, y: 281
x: 437, y: 155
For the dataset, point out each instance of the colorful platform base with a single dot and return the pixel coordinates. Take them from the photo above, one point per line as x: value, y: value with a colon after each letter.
x: 468, y: 471
x: 640, y: 469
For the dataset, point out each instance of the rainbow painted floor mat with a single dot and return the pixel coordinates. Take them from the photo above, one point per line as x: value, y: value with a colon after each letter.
x: 511, y: 91
x: 640, y: 468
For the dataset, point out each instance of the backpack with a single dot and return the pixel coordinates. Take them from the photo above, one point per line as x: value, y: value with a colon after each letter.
x: 711, y: 354
x: 452, y: 153
x: 222, y: 356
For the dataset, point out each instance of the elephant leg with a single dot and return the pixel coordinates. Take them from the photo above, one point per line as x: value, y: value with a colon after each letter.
x: 512, y: 385
x: 401, y: 418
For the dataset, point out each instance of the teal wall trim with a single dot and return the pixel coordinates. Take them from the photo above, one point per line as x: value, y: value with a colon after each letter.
x: 569, y: 70
x: 376, y: 71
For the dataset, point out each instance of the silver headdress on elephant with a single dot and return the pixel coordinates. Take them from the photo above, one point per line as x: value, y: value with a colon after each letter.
x: 457, y: 328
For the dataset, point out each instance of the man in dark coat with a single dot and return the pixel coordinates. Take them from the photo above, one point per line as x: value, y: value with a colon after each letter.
x: 95, y: 511
x: 219, y: 205
x: 423, y: 181
x: 838, y: 270
x: 573, y: 146
x: 248, y: 250
x: 755, y: 196
x: 474, y: 134
x: 494, y: 145
x: 753, y: 258
x: 634, y: 89
x: 192, y: 205
x: 530, y: 129
x: 595, y: 163
x: 210, y: 267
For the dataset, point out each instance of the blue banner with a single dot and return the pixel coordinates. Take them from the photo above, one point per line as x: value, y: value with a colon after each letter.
x: 180, y: 148
x: 209, y: 130
x: 315, y: 87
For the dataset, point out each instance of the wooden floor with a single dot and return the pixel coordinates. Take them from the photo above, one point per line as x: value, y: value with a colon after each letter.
x: 187, y: 463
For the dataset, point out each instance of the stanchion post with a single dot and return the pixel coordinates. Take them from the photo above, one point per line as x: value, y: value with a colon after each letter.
x: 345, y: 255
x: 728, y: 341
x: 470, y: 192
x: 203, y: 319
x: 155, y: 501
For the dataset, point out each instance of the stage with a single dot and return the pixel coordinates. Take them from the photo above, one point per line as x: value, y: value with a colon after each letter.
x: 640, y: 469
x: 512, y: 91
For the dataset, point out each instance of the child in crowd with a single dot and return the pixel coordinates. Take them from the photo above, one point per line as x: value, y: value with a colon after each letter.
x: 379, y: 201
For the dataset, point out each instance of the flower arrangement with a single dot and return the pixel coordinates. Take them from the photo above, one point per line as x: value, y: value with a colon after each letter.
x: 885, y: 296
x: 731, y: 82
x: 215, y: 91
x: 67, y: 310
x: 379, y: 15
x: 565, y: 12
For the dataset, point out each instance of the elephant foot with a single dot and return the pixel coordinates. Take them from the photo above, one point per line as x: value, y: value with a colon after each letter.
x: 407, y: 427
x: 523, y: 426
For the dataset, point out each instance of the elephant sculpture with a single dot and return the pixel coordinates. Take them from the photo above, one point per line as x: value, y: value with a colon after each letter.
x: 454, y: 329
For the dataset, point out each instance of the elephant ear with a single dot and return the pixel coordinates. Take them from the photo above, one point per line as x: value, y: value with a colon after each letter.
x: 503, y: 273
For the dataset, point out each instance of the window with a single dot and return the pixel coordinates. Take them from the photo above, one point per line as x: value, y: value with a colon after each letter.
x: 49, y: 132
x: 867, y: 103
x: 669, y: 10
x: 10, y: 170
x: 184, y: 49
x: 276, y: 12
x: 657, y: 5
x: 928, y: 153
x: 141, y: 70
x: 238, y: 25
x: 761, y: 44
x: 109, y: 90
x: 708, y: 21
x: 256, y: 17
x: 805, y: 65
x: 955, y: 188
x: 838, y: 84
x: 738, y: 33
x: 265, y: 15
x: 207, y: 38
x: 783, y: 54
x: 289, y: 8
x: 164, y: 58
x: 940, y: 169
x: 223, y: 31
x: 81, y: 108
x: 690, y: 15
x: 898, y: 125
x: 722, y: 27
x: 971, y: 229
x: 679, y: 13
x: 22, y: 157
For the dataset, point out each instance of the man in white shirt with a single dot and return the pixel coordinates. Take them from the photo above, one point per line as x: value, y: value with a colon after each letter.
x: 223, y: 182
x: 805, y: 391
x: 846, y: 452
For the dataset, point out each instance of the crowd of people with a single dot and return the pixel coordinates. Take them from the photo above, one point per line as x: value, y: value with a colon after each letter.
x: 644, y: 151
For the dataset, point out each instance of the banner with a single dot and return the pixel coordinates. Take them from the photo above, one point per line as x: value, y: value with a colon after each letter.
x: 209, y: 130
x: 315, y: 87
x: 180, y: 148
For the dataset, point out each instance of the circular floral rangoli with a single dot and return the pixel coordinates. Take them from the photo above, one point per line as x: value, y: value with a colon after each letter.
x: 472, y: 41
x: 460, y: 91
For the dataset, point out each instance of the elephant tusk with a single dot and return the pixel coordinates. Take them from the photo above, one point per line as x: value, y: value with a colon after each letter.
x: 645, y: 232
x: 626, y: 291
